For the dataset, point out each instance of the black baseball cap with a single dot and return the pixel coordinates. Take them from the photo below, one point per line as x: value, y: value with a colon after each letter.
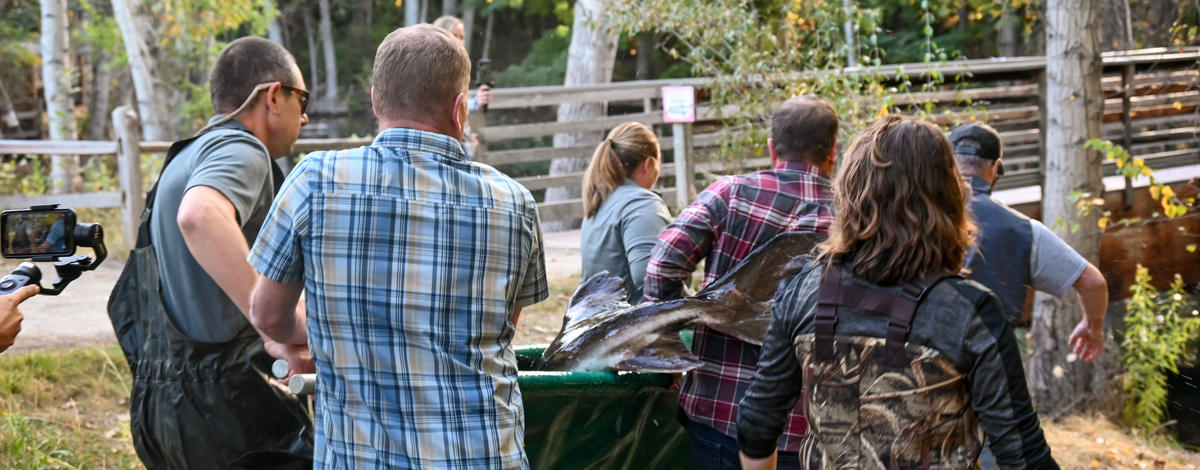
x: 977, y: 139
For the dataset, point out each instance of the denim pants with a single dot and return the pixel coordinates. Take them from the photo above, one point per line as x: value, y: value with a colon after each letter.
x: 712, y: 450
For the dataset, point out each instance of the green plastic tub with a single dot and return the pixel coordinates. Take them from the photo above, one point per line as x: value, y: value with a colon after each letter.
x: 599, y: 420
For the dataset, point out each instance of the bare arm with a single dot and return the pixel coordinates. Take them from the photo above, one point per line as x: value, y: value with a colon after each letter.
x: 209, y: 226
x: 1088, y: 337
x: 273, y: 310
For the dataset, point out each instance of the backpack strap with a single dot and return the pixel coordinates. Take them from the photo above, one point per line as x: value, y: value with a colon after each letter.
x: 899, y: 307
x: 828, y: 298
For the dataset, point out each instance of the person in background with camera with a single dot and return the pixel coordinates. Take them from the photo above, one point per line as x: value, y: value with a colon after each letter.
x: 202, y: 397
x: 418, y: 263
x: 10, y: 316
x: 483, y: 95
x: 623, y: 218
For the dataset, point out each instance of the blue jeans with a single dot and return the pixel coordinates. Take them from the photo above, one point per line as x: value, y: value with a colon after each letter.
x: 712, y: 450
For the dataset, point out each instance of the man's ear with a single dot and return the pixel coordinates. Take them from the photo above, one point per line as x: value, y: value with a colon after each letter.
x: 771, y: 150
x: 458, y: 120
x: 374, y: 110
x: 272, y: 98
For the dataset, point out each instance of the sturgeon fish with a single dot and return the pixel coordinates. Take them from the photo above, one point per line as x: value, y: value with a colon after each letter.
x: 601, y: 331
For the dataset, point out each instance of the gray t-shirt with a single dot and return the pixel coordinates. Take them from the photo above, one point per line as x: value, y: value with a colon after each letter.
x: 232, y: 161
x: 620, y: 237
x: 1054, y: 266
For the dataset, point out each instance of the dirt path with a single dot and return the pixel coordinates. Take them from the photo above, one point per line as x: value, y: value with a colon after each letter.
x: 79, y: 316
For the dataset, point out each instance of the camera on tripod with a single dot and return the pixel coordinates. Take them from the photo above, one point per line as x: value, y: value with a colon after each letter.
x: 48, y: 234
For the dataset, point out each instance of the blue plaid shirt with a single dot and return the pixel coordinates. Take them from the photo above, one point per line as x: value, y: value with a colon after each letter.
x: 413, y: 261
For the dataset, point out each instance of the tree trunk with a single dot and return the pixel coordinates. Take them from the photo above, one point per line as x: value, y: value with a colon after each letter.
x: 468, y: 20
x: 848, y: 32
x: 487, y: 35
x: 331, y: 78
x: 314, y: 82
x: 449, y: 7
x: 423, y: 12
x: 154, y: 99
x: 1073, y: 104
x: 1010, y: 26
x: 590, y: 60
x: 101, y: 92
x: 57, y: 76
x: 644, y: 48
x: 274, y: 26
x: 412, y: 12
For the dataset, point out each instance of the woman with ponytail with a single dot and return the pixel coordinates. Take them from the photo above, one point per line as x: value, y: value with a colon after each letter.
x: 622, y: 218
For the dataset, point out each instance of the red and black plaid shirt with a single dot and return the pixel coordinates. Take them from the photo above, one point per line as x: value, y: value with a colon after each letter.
x: 724, y: 224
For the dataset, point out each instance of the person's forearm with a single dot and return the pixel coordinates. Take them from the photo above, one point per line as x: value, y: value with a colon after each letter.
x: 516, y: 314
x: 767, y: 463
x: 275, y: 312
x: 1092, y: 289
x: 215, y: 241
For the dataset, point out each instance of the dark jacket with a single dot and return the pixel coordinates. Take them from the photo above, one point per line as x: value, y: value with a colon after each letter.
x: 959, y: 318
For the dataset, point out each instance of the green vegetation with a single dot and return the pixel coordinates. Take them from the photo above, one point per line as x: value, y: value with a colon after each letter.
x: 1161, y: 332
x: 65, y: 409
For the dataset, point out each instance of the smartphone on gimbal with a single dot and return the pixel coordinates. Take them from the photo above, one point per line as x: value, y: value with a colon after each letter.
x: 37, y: 233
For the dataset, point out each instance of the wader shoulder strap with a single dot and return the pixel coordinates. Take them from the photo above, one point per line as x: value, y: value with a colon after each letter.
x: 900, y: 309
x: 143, y: 234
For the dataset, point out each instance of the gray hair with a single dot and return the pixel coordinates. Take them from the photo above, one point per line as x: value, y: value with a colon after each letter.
x: 971, y: 164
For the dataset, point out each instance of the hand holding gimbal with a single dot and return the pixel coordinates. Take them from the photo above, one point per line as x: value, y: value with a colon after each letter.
x: 48, y: 234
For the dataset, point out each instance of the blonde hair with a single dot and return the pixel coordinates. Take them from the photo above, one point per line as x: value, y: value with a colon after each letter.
x: 900, y: 205
x: 615, y: 159
x: 418, y: 71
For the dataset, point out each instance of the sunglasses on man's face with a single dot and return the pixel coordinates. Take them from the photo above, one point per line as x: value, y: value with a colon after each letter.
x: 303, y: 96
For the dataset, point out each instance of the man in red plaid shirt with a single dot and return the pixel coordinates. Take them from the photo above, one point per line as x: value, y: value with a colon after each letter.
x: 725, y: 222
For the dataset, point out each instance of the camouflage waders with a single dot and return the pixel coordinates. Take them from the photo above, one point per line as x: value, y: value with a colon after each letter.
x: 879, y: 403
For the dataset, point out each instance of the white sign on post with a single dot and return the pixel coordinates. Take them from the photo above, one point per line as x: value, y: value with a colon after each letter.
x: 679, y: 104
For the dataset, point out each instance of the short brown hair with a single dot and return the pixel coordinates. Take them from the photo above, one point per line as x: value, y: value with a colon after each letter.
x: 244, y: 64
x: 900, y: 205
x: 418, y: 70
x: 804, y: 130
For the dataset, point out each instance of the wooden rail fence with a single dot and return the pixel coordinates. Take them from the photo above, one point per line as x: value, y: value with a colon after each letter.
x: 1152, y: 100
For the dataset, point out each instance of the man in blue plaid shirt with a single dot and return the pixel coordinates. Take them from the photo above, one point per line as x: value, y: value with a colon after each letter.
x: 415, y: 264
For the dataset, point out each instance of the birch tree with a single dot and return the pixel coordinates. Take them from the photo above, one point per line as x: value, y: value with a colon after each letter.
x: 590, y: 60
x: 154, y: 98
x: 331, y: 78
x: 1073, y: 106
x: 56, y: 78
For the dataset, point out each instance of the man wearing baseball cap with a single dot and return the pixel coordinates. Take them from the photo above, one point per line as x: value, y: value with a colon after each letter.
x: 1013, y: 253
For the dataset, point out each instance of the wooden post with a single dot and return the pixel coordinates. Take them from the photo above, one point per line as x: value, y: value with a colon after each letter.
x: 1127, y: 88
x: 684, y: 176
x: 1040, y: 77
x: 129, y: 167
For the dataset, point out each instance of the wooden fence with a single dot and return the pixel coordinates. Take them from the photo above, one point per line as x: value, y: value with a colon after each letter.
x: 1151, y: 106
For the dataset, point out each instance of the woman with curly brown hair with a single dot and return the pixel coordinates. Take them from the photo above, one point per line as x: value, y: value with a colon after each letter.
x: 902, y: 363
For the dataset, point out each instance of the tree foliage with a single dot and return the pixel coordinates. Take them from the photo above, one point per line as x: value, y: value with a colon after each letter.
x: 762, y: 53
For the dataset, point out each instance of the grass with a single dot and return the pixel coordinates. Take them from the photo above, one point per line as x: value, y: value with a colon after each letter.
x: 540, y: 323
x: 65, y: 409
